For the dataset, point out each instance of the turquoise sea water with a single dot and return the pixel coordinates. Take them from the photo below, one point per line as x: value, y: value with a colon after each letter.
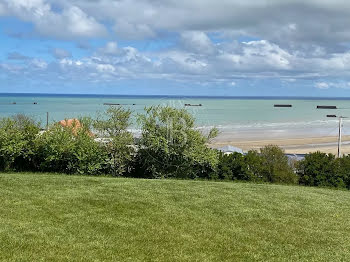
x: 234, y: 116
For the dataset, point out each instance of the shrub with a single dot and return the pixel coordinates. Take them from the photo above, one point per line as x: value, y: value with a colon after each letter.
x: 170, y: 146
x: 275, y: 167
x: 255, y: 169
x: 90, y: 157
x: 321, y: 169
x: 233, y: 167
x: 343, y: 171
x: 271, y: 165
x: 117, y: 140
x: 16, y: 142
x: 61, y: 149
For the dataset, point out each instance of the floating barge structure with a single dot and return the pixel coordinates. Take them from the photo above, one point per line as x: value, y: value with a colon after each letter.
x: 282, y: 105
x: 326, y: 107
x: 114, y: 104
x: 193, y: 105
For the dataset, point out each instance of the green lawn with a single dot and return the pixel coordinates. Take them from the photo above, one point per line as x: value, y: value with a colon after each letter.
x: 46, y: 217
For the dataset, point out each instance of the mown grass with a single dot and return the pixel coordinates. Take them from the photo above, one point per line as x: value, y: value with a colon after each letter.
x: 45, y: 217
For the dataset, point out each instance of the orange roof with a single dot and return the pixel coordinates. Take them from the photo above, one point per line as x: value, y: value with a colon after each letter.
x: 74, y: 124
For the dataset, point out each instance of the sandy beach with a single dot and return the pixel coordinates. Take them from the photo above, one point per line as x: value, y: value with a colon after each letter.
x: 298, y: 145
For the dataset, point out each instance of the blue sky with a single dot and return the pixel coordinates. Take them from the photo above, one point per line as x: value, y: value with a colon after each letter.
x: 285, y: 47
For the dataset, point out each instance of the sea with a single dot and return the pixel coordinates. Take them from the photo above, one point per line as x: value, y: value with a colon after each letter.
x: 235, y: 117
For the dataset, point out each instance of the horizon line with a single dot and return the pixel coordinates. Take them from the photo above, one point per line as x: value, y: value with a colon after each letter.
x: 160, y: 95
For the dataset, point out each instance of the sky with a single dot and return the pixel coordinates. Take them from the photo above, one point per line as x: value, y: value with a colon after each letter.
x: 176, y: 47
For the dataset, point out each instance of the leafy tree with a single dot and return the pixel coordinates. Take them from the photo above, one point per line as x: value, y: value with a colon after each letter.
x: 116, y: 139
x: 170, y: 146
x: 271, y: 165
x: 321, y: 169
x: 255, y: 168
x: 275, y: 167
x: 233, y: 167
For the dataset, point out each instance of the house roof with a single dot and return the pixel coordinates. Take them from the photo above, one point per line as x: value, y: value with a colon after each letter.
x: 296, y: 157
x: 230, y: 149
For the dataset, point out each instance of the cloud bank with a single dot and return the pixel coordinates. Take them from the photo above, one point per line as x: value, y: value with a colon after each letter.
x: 210, y: 42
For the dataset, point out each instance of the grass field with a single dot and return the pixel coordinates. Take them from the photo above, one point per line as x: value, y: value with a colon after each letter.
x: 46, y: 217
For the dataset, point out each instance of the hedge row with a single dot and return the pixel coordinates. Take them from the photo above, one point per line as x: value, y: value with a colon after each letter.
x: 271, y: 165
x: 169, y: 147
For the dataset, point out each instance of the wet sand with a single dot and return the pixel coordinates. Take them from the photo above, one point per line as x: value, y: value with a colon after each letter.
x: 298, y: 145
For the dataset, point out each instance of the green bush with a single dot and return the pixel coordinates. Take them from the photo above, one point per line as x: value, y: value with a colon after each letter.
x: 233, y: 167
x: 320, y: 169
x: 170, y: 146
x: 117, y: 141
x: 254, y: 163
x: 275, y: 167
x: 343, y: 171
x: 17, y: 136
x: 271, y: 165
x: 61, y: 149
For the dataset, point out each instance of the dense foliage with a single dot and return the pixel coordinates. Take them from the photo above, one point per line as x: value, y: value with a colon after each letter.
x: 320, y: 169
x: 169, y: 147
x: 116, y: 140
x: 275, y: 167
x: 60, y: 149
x: 270, y: 165
x: 68, y: 149
x: 17, y: 147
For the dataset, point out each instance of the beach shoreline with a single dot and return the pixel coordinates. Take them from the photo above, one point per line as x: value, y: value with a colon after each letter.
x: 292, y: 145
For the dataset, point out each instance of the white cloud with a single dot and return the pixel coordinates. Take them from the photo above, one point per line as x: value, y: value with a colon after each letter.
x: 339, y: 84
x: 66, y: 62
x: 12, y: 68
x: 111, y: 48
x: 71, y: 23
x: 322, y: 85
x: 197, y: 41
x: 105, y: 68
x: 286, y: 22
x: 80, y: 24
x: 224, y: 65
x: 286, y: 40
x: 38, y: 64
